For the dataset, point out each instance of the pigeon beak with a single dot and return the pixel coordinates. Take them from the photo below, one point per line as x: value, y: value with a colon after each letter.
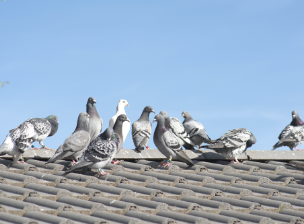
x: 153, y: 111
x: 127, y: 105
x: 183, y: 115
x: 293, y: 115
x: 154, y: 120
x: 94, y: 101
x: 128, y: 120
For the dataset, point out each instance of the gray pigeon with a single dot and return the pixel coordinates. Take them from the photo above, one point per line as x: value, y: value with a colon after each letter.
x: 233, y: 143
x: 95, y: 125
x: 178, y: 130
x: 293, y: 134
x: 101, y: 151
x: 142, y: 129
x: 74, y: 146
x: 167, y: 144
x: 196, y: 130
x: 22, y: 137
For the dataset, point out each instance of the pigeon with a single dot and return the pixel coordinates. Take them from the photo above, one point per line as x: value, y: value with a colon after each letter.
x: 101, y: 151
x: 233, y: 143
x: 22, y: 137
x: 293, y: 134
x: 121, y: 110
x: 167, y: 144
x: 141, y: 130
x: 74, y: 146
x: 176, y: 127
x: 95, y: 125
x: 196, y: 130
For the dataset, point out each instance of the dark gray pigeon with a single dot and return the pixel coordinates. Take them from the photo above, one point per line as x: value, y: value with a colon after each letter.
x: 74, y: 146
x: 293, y: 134
x: 167, y: 144
x: 178, y: 130
x: 22, y: 137
x: 101, y: 151
x: 142, y: 129
x: 95, y: 125
x: 233, y: 143
x: 196, y: 130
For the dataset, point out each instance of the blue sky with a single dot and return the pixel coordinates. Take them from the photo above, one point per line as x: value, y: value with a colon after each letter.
x: 231, y: 64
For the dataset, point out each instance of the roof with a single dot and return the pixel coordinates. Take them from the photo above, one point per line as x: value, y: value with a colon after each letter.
x: 138, y: 191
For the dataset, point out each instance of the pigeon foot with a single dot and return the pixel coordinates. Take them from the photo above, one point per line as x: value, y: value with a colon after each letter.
x: 164, y: 163
x: 116, y: 162
x: 299, y: 149
x: 22, y: 162
x: 235, y: 161
x: 74, y: 162
x: 103, y: 173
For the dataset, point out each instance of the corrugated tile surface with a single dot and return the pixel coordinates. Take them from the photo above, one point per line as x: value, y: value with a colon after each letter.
x: 141, y: 192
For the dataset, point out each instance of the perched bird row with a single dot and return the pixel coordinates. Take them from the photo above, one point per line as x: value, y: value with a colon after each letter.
x: 89, y: 148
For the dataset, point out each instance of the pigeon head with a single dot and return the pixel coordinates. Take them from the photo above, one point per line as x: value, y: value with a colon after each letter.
x: 167, y: 118
x: 296, y: 120
x: 121, y: 104
x: 251, y: 141
x: 122, y: 118
x: 149, y: 109
x: 83, y: 122
x: 186, y: 115
x: 159, y: 119
x: 54, y: 124
x: 91, y: 101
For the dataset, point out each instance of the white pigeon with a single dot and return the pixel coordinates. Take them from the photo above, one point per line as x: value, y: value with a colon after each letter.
x: 121, y: 110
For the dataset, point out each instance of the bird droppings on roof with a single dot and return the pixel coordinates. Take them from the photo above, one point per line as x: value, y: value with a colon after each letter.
x: 138, y: 191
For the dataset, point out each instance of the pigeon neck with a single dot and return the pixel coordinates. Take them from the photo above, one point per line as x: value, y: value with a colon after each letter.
x: 91, y: 110
x: 118, y: 128
x: 167, y: 122
x: 160, y: 128
x: 297, y: 121
x: 188, y: 118
x: 121, y: 109
x: 54, y: 127
x: 144, y: 116
x: 82, y: 125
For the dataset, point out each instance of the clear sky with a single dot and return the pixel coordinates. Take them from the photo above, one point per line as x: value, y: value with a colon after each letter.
x: 231, y: 64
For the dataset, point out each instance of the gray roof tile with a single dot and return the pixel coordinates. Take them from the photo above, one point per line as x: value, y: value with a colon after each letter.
x: 142, y: 192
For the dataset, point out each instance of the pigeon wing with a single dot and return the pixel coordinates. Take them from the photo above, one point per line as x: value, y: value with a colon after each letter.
x: 26, y: 134
x: 101, y: 149
x: 286, y: 131
x: 177, y: 128
x: 141, y: 132
x: 172, y: 143
x: 42, y: 126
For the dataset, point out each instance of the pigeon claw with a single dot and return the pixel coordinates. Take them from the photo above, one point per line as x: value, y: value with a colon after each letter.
x: 74, y: 162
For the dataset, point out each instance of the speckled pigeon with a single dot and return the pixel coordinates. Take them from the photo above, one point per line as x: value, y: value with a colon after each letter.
x: 121, y: 110
x: 101, y: 151
x: 95, y: 125
x: 22, y: 137
x: 233, y: 143
x: 167, y: 144
x: 142, y: 129
x: 196, y: 130
x: 74, y: 146
x: 293, y: 134
x: 178, y: 130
